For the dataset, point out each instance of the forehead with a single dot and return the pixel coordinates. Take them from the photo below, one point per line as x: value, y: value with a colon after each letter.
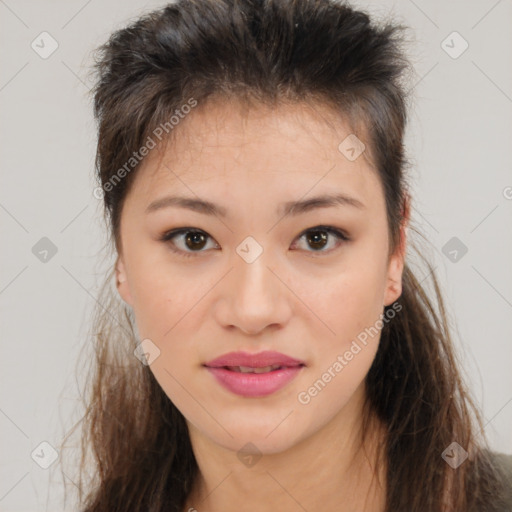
x: 224, y: 150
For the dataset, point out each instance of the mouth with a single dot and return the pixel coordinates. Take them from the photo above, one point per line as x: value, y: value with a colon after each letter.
x: 263, y: 369
x: 254, y: 381
x: 260, y: 362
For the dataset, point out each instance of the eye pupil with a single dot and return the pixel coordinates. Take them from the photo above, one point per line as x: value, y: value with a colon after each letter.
x: 317, y: 237
x: 195, y: 237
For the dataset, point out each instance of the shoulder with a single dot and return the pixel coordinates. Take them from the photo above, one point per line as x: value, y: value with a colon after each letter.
x: 503, y: 462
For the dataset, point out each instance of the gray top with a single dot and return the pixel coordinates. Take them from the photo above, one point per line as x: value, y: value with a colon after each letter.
x: 504, y: 461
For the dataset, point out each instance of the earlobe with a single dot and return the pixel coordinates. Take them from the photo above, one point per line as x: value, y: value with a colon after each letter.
x: 394, y: 284
x: 396, y: 266
x: 122, y: 282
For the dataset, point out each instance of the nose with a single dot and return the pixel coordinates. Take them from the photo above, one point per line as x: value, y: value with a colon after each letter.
x: 254, y: 297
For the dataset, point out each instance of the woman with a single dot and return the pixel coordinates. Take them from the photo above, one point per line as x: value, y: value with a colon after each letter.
x: 276, y: 350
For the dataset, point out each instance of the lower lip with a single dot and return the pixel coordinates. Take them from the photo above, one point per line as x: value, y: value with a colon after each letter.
x: 254, y: 384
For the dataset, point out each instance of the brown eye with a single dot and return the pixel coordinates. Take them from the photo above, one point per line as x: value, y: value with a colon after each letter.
x: 317, y: 238
x: 188, y: 241
x: 195, y: 240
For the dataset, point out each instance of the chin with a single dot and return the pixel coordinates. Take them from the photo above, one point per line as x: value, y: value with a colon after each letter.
x: 255, y: 443
x: 266, y: 438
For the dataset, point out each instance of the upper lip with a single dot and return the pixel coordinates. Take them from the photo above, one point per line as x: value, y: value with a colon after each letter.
x: 259, y: 360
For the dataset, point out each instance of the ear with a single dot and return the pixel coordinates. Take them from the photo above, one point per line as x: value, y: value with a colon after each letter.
x: 397, y: 260
x: 122, y: 281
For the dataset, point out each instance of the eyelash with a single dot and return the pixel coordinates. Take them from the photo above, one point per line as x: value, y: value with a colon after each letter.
x: 169, y: 235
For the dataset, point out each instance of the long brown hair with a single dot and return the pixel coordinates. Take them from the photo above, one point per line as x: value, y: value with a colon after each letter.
x: 267, y: 52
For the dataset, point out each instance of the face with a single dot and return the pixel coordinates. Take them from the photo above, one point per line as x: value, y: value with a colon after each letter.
x: 307, y: 282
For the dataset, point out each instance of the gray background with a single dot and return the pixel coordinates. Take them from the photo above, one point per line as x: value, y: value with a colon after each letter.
x: 459, y: 140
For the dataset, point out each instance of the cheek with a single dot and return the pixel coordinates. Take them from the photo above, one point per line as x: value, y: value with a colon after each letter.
x: 349, y: 302
x: 167, y: 309
x: 163, y: 297
x: 350, y: 305
x: 338, y: 383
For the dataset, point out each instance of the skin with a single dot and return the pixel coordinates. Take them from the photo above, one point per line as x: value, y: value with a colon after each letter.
x: 293, y: 299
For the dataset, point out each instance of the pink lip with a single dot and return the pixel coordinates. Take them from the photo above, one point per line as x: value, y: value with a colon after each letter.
x: 254, y: 384
x: 266, y: 358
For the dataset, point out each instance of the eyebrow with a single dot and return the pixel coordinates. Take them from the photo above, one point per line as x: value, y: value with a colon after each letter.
x: 287, y: 208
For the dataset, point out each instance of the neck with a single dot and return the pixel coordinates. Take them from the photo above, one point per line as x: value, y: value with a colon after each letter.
x: 331, y: 469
